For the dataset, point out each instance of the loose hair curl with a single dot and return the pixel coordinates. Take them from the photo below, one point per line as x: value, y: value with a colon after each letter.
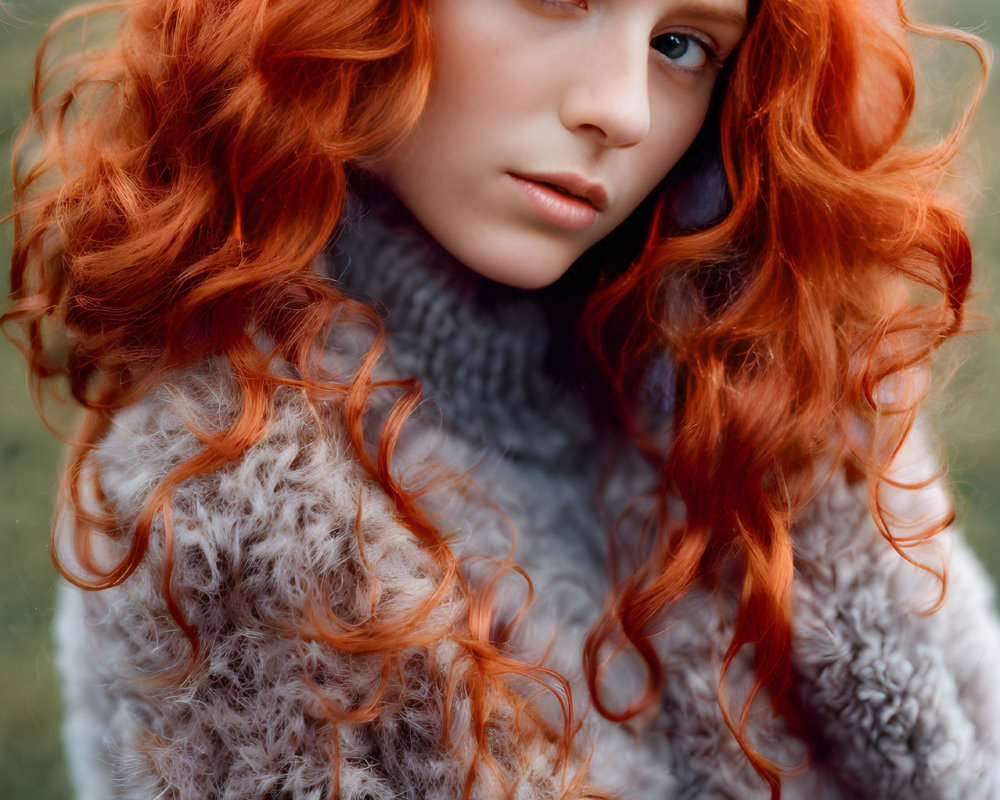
x: 171, y: 197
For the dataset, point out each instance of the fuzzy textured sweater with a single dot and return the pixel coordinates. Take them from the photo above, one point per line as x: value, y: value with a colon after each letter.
x: 904, y: 705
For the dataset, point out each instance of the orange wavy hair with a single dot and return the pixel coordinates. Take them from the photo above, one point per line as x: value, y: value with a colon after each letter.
x: 171, y: 198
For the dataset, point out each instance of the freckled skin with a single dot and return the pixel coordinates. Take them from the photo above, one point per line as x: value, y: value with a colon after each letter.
x: 541, y: 87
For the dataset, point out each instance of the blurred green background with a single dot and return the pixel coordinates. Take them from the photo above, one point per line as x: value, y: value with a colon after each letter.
x: 30, y: 759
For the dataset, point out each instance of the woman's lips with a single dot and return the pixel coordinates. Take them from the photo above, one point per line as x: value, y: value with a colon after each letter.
x: 574, y: 205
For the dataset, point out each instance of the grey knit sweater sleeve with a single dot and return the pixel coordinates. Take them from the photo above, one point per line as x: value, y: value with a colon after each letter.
x: 905, y: 703
x: 254, y: 542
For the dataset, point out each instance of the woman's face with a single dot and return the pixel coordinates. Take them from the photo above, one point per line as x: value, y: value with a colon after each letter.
x: 549, y: 121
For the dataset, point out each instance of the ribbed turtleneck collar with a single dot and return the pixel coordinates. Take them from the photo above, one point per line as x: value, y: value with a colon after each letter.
x: 479, y: 348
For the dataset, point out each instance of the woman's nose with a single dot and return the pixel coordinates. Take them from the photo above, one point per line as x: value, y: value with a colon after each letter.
x: 608, y: 94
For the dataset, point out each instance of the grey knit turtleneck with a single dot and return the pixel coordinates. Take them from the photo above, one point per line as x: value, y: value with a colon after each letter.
x: 479, y: 348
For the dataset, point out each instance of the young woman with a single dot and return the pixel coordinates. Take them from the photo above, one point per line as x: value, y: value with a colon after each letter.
x: 503, y: 398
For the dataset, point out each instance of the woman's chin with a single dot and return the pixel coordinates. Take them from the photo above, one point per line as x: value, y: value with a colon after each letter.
x: 528, y: 261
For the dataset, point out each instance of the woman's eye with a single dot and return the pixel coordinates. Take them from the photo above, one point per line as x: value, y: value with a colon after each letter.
x: 683, y: 50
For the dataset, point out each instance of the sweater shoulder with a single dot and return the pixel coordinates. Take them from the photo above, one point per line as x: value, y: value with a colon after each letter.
x: 148, y: 440
x: 905, y: 699
x: 293, y: 515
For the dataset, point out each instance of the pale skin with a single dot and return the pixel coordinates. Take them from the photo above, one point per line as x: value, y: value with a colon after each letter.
x: 549, y: 121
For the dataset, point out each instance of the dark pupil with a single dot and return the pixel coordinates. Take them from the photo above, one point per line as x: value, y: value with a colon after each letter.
x: 672, y: 45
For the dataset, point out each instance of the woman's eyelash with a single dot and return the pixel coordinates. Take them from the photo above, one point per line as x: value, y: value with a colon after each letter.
x: 687, y: 51
x: 674, y: 46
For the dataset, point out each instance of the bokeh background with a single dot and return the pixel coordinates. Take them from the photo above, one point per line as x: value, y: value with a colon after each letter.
x: 31, y: 765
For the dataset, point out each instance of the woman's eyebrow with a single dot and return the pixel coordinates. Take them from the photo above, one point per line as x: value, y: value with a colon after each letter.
x: 712, y: 12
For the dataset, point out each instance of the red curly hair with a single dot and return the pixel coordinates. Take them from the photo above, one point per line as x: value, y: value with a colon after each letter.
x: 173, y: 192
